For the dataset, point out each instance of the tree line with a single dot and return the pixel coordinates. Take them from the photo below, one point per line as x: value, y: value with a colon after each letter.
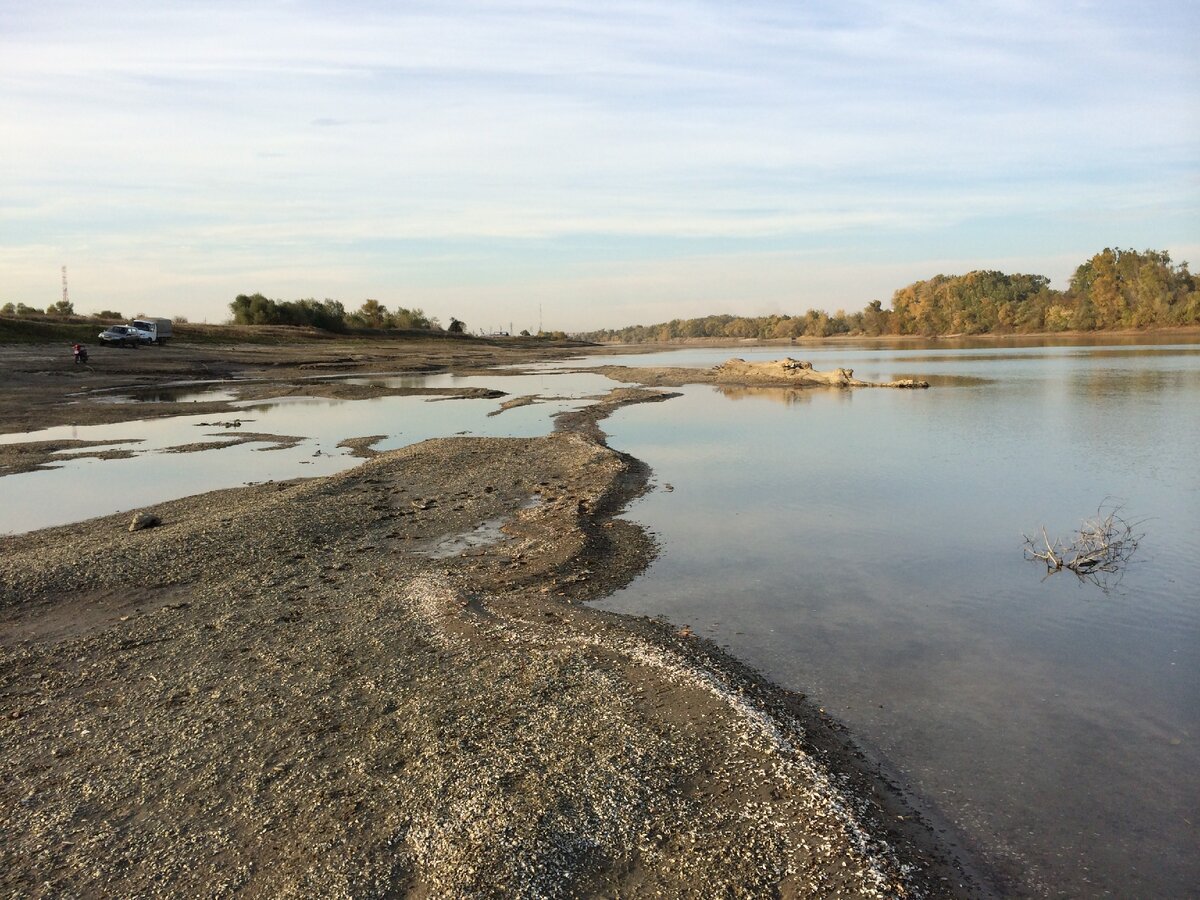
x: 1115, y: 289
x: 59, y: 309
x: 331, y: 315
x: 255, y: 309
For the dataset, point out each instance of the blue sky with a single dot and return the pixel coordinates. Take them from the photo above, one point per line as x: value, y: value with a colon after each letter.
x: 615, y: 163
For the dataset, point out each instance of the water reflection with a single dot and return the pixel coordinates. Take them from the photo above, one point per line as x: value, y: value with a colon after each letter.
x: 172, y: 392
x: 942, y: 381
x: 172, y: 395
x: 1103, y: 384
x: 856, y: 353
x: 880, y: 571
x: 784, y: 395
x: 86, y: 487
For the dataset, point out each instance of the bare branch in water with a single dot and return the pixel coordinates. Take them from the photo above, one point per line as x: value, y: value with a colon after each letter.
x: 1098, y: 553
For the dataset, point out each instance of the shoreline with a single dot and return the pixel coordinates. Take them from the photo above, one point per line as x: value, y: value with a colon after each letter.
x: 1127, y: 335
x: 720, y: 777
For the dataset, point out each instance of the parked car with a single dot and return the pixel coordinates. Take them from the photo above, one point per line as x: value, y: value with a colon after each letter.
x: 158, y: 329
x: 125, y: 336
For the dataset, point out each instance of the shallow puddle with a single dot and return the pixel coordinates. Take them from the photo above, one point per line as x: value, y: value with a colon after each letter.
x: 165, y: 394
x: 485, y: 534
x: 86, y: 487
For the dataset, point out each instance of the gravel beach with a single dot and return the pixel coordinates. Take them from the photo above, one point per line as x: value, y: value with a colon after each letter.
x: 387, y: 683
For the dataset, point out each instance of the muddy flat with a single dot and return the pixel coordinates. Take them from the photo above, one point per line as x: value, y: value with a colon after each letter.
x: 43, y: 387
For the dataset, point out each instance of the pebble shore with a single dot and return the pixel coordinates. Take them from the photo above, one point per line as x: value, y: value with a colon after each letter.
x: 293, y: 690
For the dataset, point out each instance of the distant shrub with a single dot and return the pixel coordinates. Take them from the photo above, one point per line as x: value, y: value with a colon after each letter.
x: 255, y: 309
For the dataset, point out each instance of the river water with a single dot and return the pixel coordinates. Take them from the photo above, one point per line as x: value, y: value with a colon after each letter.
x: 865, y: 547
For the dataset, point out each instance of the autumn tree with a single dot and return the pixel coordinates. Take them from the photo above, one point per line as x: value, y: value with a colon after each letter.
x: 373, y: 314
x: 1113, y: 289
x: 1131, y: 289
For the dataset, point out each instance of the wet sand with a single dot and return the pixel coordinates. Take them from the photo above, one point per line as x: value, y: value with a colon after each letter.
x: 292, y: 689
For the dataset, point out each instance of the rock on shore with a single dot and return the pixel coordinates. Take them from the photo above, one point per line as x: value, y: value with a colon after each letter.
x: 736, y: 372
x: 788, y: 372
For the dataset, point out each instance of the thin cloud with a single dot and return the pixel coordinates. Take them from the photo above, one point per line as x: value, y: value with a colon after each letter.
x: 185, y: 132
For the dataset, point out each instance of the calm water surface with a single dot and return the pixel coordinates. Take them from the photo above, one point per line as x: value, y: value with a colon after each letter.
x: 86, y: 488
x: 865, y: 547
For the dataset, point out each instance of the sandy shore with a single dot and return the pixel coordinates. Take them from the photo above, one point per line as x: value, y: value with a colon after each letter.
x: 384, y: 683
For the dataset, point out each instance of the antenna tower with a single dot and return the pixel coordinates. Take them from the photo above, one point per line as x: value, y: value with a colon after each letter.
x: 66, y: 299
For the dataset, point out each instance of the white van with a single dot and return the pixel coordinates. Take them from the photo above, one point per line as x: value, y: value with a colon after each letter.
x: 159, y: 329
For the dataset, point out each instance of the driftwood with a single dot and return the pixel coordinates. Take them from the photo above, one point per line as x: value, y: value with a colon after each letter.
x: 1098, y: 553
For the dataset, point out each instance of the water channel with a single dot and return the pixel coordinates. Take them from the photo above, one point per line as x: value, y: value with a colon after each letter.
x: 865, y: 547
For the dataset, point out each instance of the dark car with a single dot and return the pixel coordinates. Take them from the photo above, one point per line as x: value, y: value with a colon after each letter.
x: 125, y: 336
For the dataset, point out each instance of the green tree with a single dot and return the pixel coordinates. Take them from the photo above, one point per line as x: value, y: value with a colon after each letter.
x: 255, y: 309
x: 373, y: 314
x: 410, y: 319
x: 875, y: 319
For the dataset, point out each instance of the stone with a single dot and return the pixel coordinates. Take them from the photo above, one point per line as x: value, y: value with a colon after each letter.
x: 144, y: 520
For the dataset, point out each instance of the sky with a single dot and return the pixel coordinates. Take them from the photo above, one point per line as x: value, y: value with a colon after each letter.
x: 579, y: 165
